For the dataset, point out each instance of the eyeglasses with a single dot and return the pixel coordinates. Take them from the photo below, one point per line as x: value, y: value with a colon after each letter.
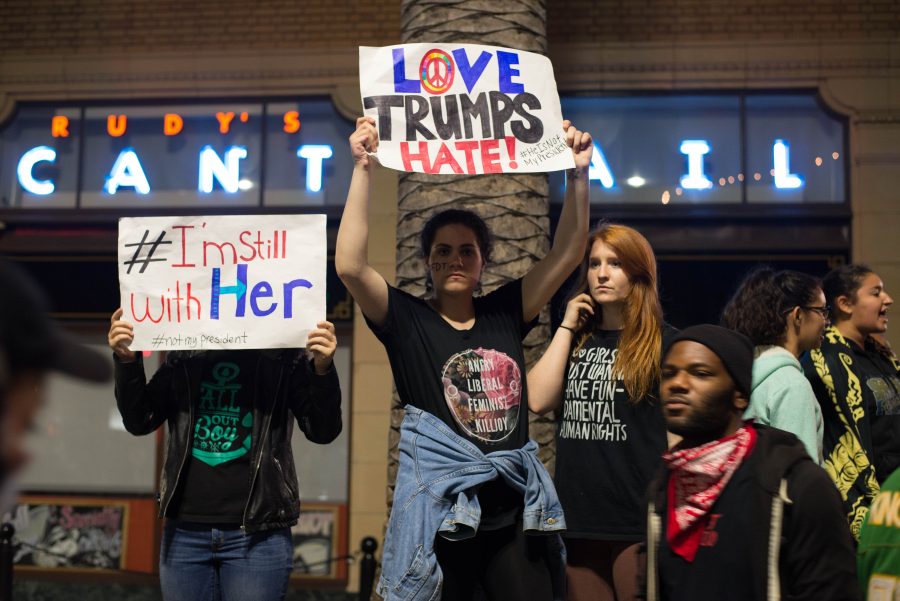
x: 824, y: 310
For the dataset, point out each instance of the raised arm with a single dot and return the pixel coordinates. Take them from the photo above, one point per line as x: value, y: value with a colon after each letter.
x: 547, y: 377
x: 351, y: 256
x: 549, y: 273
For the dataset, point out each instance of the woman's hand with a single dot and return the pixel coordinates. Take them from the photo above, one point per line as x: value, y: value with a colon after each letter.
x: 322, y: 343
x: 578, y: 311
x: 581, y: 143
x: 363, y: 141
x: 120, y: 337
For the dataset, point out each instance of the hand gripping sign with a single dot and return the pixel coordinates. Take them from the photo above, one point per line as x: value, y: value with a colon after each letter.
x: 222, y: 282
x: 463, y: 108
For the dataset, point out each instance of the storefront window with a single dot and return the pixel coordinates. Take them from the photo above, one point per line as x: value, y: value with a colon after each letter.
x: 795, y: 151
x: 710, y: 149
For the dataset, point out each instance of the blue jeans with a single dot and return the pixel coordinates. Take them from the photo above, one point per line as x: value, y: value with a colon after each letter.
x: 198, y: 562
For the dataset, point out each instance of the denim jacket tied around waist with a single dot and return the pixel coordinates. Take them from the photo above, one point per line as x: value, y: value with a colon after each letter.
x: 439, y: 474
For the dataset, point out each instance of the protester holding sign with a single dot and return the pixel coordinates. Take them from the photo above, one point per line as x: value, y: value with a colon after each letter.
x: 228, y: 484
x: 600, y: 374
x: 458, y: 364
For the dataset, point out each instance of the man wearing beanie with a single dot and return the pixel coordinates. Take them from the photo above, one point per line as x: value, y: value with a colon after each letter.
x: 739, y: 511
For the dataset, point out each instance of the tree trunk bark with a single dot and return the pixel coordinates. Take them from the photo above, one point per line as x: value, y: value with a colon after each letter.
x: 514, y: 206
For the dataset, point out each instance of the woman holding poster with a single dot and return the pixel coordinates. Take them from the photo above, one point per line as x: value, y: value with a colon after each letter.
x: 600, y: 374
x: 228, y: 486
x: 469, y: 482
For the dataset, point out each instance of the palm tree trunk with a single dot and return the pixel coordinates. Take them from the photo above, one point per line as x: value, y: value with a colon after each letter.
x: 514, y: 206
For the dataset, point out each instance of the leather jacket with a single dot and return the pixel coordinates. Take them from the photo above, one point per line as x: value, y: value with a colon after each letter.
x: 283, y: 383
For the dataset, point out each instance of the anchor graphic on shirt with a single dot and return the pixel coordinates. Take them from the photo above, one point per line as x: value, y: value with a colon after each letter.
x: 216, y: 427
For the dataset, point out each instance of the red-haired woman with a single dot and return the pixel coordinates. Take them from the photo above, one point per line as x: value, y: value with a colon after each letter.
x: 600, y: 373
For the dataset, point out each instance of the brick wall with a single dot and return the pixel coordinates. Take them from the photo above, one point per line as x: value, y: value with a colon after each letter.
x: 682, y: 20
x: 91, y: 26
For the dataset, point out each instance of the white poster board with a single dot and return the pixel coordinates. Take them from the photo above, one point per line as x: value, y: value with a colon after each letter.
x: 463, y: 108
x: 222, y: 282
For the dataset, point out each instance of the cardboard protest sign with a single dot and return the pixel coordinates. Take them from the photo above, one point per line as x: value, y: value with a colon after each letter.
x: 236, y: 282
x: 463, y: 108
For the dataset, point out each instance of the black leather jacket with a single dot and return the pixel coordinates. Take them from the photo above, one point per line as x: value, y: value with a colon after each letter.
x: 283, y: 383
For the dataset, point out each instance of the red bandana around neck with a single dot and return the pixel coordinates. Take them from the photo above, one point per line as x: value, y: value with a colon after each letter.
x: 696, y: 480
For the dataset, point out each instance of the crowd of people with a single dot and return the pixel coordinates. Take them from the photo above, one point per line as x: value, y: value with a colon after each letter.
x: 732, y: 461
x: 754, y: 459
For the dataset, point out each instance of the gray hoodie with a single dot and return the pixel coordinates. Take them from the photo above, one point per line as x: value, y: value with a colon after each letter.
x: 782, y: 397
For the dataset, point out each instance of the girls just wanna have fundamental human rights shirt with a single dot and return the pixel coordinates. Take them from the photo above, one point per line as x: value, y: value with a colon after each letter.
x: 473, y: 380
x: 607, y: 447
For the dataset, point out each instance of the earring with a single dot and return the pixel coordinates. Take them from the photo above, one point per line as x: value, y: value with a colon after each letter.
x: 429, y: 284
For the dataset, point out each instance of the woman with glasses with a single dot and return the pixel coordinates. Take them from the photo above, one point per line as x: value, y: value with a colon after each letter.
x: 856, y: 378
x: 785, y: 315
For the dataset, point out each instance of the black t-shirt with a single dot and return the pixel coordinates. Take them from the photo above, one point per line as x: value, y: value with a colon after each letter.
x: 607, y: 447
x: 473, y: 380
x: 217, y: 479
x: 723, y: 567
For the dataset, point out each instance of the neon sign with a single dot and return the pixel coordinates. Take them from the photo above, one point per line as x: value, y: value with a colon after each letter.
x: 127, y: 172
x: 24, y: 171
x: 41, y: 168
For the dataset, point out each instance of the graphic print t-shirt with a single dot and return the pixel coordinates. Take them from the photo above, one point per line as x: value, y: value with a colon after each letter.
x: 607, y: 448
x: 217, y: 478
x: 881, y: 390
x: 473, y: 380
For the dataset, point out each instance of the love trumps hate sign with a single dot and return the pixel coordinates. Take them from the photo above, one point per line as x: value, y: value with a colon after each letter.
x: 463, y: 108
x: 222, y: 282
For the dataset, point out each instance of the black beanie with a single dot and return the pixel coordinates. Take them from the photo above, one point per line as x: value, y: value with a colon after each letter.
x: 734, y: 349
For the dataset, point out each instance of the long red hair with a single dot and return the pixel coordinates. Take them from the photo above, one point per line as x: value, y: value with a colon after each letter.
x: 640, y: 342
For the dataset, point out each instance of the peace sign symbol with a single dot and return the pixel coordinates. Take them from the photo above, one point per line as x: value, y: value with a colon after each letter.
x: 437, y: 71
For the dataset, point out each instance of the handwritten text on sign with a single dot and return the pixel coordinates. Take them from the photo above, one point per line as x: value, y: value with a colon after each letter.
x: 222, y: 282
x: 463, y: 108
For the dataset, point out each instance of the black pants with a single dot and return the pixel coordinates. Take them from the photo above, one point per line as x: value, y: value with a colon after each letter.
x: 505, y: 564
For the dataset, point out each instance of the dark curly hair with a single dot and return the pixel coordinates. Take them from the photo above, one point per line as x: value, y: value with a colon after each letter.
x: 843, y: 281
x: 765, y: 297
x: 457, y: 217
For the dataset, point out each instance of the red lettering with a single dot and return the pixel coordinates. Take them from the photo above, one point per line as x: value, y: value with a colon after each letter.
x: 468, y: 148
x: 490, y: 161
x: 421, y: 157
x: 248, y: 245
x: 445, y: 157
x: 183, y: 246
x: 162, y: 312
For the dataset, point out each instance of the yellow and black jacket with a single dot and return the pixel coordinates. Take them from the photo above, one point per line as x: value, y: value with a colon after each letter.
x: 859, y: 393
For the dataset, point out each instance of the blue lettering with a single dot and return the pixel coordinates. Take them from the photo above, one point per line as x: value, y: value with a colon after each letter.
x: 239, y: 290
x: 289, y: 297
x: 261, y: 290
x: 471, y: 73
x: 505, y: 62
x: 401, y: 84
